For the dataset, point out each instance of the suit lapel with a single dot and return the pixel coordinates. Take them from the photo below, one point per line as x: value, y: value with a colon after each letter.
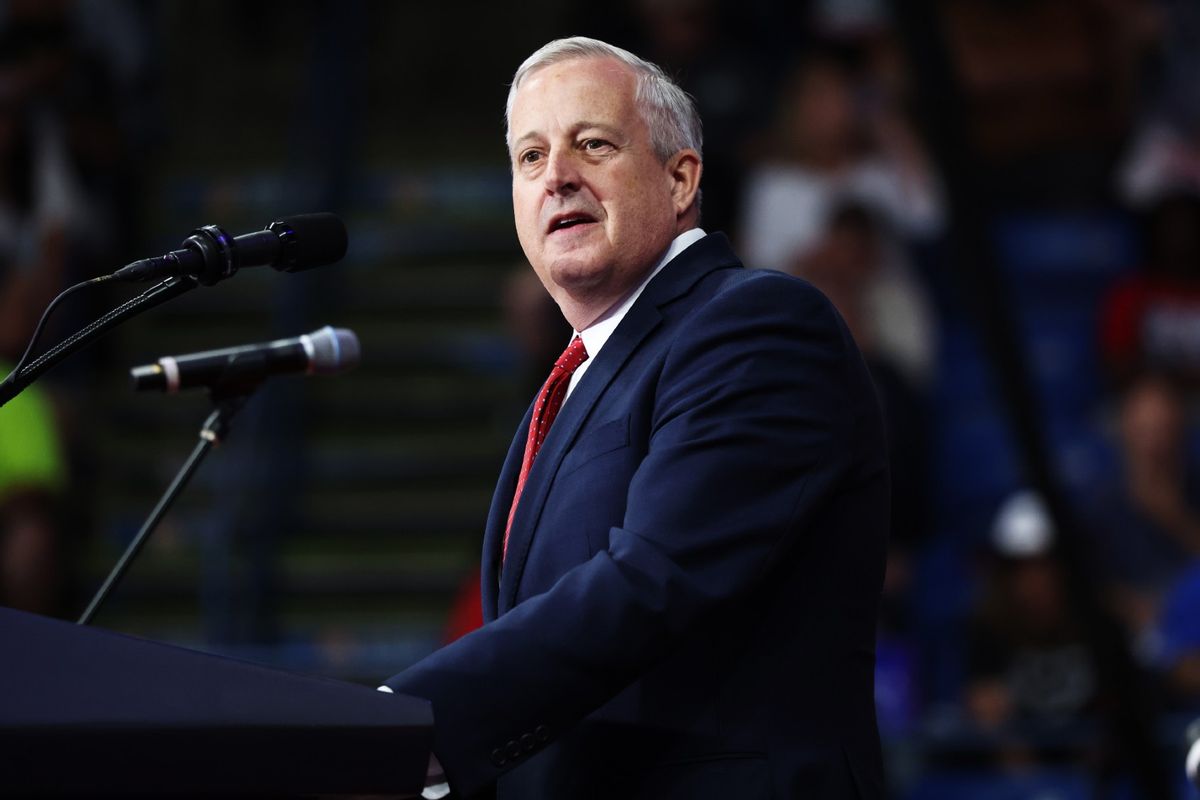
x: 674, y: 280
x: 638, y: 324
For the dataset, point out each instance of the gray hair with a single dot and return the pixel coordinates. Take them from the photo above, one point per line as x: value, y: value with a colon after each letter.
x: 669, y: 112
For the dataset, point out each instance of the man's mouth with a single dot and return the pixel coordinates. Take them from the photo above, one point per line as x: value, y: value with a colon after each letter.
x: 565, y: 221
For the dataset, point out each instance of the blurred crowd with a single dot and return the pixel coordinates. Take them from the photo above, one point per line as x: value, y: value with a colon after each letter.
x: 71, y: 83
x: 817, y: 163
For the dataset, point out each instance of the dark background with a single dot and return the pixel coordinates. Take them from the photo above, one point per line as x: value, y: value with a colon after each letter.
x: 1008, y: 329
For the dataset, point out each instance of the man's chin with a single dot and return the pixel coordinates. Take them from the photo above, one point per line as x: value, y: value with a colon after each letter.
x: 579, y: 275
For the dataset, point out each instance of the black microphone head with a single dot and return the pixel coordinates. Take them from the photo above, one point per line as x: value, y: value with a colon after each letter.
x: 309, y: 240
x: 333, y: 350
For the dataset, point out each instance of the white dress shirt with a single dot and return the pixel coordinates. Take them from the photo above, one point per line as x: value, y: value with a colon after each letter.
x: 595, y: 335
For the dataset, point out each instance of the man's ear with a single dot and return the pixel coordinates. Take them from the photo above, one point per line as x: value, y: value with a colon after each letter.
x: 684, y: 170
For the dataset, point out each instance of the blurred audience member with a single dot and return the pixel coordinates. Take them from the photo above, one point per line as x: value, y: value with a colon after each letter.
x: 1152, y: 318
x: 1149, y: 522
x: 39, y: 203
x: 1175, y: 647
x: 32, y: 474
x: 1164, y: 156
x: 46, y: 218
x: 1027, y: 660
x: 62, y: 97
x: 836, y: 141
x: 1163, y: 159
x: 886, y: 309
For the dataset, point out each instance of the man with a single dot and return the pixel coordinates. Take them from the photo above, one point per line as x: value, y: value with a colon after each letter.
x: 681, y: 568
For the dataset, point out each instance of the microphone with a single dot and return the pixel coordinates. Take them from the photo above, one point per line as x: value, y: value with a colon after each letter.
x: 1192, y: 760
x: 210, y: 254
x: 327, y: 351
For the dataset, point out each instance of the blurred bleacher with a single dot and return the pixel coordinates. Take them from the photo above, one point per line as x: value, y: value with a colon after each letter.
x: 397, y: 458
x: 331, y: 531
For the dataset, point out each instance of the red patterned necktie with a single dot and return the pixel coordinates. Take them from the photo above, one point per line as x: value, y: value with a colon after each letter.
x: 554, y: 391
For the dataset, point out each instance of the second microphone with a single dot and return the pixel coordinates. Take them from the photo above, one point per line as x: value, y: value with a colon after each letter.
x: 327, y: 351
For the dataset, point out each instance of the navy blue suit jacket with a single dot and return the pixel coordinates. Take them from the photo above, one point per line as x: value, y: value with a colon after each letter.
x: 688, y: 605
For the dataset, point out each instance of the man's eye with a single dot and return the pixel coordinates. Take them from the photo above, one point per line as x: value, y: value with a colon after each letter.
x: 530, y: 156
x: 595, y: 144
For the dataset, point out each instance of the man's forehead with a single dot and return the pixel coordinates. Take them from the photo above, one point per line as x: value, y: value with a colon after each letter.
x: 577, y: 92
x: 601, y: 71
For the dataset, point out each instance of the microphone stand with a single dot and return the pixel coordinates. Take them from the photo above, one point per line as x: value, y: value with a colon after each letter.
x: 155, y: 295
x: 228, y: 402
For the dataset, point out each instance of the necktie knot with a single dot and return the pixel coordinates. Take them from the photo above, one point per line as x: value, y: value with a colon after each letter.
x: 572, y: 357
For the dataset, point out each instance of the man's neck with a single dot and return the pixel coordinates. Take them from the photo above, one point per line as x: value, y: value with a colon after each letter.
x: 584, y: 313
x: 598, y: 332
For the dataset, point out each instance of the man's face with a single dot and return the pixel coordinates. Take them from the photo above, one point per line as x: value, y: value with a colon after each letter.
x: 595, y: 208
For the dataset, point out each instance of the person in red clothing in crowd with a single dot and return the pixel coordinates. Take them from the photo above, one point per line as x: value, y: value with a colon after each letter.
x: 1152, y: 318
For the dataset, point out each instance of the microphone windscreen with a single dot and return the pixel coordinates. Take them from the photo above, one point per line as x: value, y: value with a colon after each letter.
x: 334, y: 350
x: 311, y: 240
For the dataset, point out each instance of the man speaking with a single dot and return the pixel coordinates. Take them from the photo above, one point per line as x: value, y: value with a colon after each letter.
x: 682, y: 563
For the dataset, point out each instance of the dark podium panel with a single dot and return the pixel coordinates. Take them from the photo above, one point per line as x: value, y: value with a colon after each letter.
x: 88, y: 711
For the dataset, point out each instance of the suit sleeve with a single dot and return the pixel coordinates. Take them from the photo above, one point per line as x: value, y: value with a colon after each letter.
x: 750, y: 405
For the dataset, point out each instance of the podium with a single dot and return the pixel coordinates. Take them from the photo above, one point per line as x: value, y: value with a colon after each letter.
x: 84, y: 711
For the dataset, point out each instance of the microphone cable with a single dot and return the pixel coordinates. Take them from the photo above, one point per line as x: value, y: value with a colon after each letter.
x: 41, y: 326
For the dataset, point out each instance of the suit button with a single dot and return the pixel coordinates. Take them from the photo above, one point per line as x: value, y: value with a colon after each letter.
x: 498, y: 757
x: 542, y: 733
x: 528, y: 743
x: 514, y: 750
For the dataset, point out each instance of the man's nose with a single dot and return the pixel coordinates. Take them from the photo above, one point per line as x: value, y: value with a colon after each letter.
x: 562, y: 173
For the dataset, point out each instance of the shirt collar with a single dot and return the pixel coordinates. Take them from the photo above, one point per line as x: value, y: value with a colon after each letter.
x: 596, y: 334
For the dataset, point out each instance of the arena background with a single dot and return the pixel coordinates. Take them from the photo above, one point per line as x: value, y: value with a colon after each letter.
x: 1002, y: 198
